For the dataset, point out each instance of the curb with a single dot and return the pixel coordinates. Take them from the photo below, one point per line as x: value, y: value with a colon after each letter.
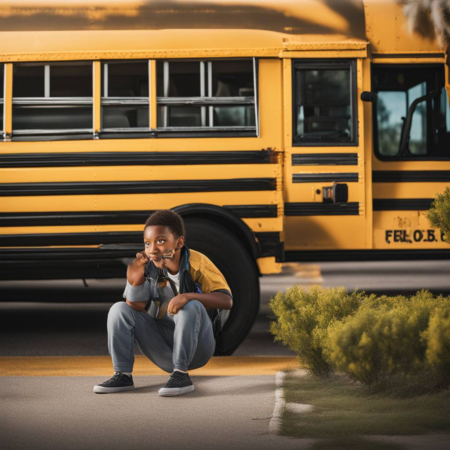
x: 281, y: 405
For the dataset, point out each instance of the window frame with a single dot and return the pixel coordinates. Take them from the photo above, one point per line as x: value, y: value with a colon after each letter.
x: 2, y: 101
x: 98, y: 101
x: 398, y: 157
x: 351, y: 64
x: 207, y: 102
x: 52, y: 101
x: 120, y: 101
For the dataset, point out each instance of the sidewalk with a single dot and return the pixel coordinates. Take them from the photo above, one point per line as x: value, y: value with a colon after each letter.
x: 42, y: 411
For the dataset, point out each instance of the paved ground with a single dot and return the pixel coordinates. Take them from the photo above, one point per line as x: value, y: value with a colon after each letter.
x: 72, y: 321
x: 231, y: 408
x: 63, y: 413
x: 227, y: 409
x: 52, y: 326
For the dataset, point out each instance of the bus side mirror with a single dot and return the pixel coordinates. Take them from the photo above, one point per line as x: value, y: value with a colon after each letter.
x: 370, y: 97
x: 338, y: 193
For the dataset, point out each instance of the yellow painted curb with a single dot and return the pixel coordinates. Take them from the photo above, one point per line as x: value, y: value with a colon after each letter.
x: 85, y: 366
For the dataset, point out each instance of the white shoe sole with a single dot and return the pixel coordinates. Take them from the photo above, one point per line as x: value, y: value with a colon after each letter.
x: 111, y: 390
x: 172, y: 392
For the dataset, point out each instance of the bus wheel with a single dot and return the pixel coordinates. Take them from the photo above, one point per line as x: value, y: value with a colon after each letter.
x: 239, y: 269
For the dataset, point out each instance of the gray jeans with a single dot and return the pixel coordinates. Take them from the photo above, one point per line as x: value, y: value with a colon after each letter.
x: 183, y: 341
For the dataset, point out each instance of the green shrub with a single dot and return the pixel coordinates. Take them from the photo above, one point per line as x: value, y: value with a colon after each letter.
x: 303, y: 318
x: 439, y: 213
x: 383, y: 339
x: 437, y: 337
x: 382, y: 302
x: 377, y: 341
x: 373, y: 344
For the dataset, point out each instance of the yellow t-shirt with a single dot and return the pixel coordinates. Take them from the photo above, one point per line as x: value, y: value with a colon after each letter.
x: 204, y: 272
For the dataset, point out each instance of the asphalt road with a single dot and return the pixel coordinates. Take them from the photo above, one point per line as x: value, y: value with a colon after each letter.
x: 68, y: 317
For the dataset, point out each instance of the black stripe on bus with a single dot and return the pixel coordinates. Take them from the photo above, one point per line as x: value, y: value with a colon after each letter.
x: 254, y: 211
x: 136, y: 187
x: 46, y: 239
x: 324, y: 177
x: 364, y: 255
x: 10, y: 255
x: 402, y: 204
x: 64, y: 263
x: 408, y: 176
x: 114, y: 217
x: 135, y: 158
x: 269, y: 242
x: 321, y: 209
x: 325, y: 159
x: 407, y: 55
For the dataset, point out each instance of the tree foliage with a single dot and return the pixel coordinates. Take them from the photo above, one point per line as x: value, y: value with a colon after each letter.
x: 439, y: 213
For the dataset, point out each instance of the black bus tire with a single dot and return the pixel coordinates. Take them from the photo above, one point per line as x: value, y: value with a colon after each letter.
x: 239, y: 269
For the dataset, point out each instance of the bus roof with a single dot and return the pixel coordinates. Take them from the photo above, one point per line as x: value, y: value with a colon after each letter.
x: 166, y: 28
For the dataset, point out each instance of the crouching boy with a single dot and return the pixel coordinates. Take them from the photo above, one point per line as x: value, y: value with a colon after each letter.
x: 169, y: 290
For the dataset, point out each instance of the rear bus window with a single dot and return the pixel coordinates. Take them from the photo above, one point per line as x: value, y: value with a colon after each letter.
x: 324, y: 103
x: 52, y: 98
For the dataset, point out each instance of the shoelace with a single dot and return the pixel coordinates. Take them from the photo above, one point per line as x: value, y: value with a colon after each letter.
x: 176, y: 379
x: 115, y: 377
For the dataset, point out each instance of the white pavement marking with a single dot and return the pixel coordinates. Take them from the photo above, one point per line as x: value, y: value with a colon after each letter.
x: 280, y: 402
x: 275, y: 421
x: 298, y: 408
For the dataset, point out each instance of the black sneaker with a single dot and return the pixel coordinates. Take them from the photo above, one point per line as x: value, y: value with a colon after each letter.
x: 179, y: 383
x: 118, y: 383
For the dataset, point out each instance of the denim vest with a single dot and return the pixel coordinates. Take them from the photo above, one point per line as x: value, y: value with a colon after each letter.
x: 187, y: 284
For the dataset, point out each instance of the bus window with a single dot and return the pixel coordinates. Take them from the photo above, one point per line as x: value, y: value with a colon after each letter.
x: 2, y: 74
x: 125, y: 96
x: 180, y: 116
x: 52, y: 98
x: 233, y: 79
x: 398, y: 88
x: 391, y: 107
x: 234, y: 116
x: 71, y: 80
x: 444, y: 112
x: 418, y: 138
x: 183, y: 81
x: 29, y: 80
x: 324, y: 110
x: 197, y: 95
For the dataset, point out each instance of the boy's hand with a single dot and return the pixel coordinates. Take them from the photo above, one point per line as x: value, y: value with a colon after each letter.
x: 141, y: 259
x: 176, y: 304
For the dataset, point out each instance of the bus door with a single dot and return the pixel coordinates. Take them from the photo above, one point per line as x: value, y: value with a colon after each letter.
x: 411, y: 161
x: 325, y: 180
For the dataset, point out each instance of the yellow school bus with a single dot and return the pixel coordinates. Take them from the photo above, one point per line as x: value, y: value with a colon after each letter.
x: 282, y: 131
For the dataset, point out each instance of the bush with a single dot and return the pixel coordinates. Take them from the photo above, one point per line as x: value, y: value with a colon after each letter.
x: 373, y: 345
x: 439, y: 213
x: 437, y: 337
x: 374, y: 340
x: 303, y: 318
x: 384, y: 338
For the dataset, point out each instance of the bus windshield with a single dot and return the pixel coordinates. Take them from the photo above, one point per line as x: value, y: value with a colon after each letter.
x: 398, y: 89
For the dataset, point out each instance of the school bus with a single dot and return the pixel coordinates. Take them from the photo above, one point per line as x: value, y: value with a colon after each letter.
x: 281, y: 131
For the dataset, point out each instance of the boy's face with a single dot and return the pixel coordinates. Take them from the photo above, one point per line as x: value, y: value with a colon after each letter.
x: 158, y: 241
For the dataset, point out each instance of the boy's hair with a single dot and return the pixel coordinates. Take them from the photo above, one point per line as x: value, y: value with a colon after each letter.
x: 167, y: 218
